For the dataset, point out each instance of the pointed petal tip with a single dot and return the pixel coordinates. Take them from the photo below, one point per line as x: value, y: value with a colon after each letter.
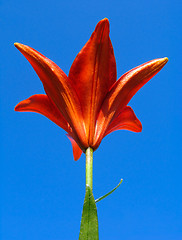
x: 103, y: 24
x: 105, y: 20
x: 158, y: 64
x: 18, y: 45
x: 164, y: 60
x: 139, y: 125
x: 20, y: 106
x: 16, y: 108
x: 161, y: 61
x: 25, y: 49
x: 21, y: 47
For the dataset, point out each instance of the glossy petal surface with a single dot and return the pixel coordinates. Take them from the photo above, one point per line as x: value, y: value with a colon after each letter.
x: 89, y: 103
x: 126, y: 120
x: 59, y: 88
x: 93, y: 72
x: 41, y: 103
x: 122, y: 91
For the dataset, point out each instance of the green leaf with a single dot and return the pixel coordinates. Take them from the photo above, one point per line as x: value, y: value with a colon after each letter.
x: 89, y: 222
x: 99, y: 199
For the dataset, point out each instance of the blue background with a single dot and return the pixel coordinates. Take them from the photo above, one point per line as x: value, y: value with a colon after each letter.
x: 42, y: 188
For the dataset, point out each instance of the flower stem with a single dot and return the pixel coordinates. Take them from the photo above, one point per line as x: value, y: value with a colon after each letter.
x: 89, y: 222
x: 89, y: 168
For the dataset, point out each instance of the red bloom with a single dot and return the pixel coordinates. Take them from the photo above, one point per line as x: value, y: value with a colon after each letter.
x: 89, y: 103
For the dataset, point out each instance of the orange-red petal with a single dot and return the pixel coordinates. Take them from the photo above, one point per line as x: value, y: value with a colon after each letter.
x: 77, y: 152
x: 93, y: 72
x: 126, y: 120
x: 122, y: 91
x: 59, y: 88
x: 42, y: 104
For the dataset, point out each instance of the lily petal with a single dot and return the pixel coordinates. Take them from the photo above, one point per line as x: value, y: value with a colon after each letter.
x: 126, y: 120
x: 77, y: 152
x: 93, y: 72
x: 122, y: 92
x: 42, y: 104
x: 60, y: 90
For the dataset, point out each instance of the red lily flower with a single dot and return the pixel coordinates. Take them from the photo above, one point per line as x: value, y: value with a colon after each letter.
x: 89, y: 103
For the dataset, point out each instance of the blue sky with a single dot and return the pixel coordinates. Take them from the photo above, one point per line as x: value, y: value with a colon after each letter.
x: 42, y: 188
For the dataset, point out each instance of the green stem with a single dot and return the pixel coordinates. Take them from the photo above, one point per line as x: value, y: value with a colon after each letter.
x: 89, y: 223
x: 89, y: 168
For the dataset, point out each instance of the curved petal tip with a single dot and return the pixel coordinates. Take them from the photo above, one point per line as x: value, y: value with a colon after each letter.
x: 163, y: 60
x: 18, y: 45
x: 18, y: 107
x: 103, y: 25
x: 104, y: 20
x: 22, y: 106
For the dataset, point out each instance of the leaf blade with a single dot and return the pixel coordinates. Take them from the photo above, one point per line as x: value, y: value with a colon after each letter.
x: 89, y: 222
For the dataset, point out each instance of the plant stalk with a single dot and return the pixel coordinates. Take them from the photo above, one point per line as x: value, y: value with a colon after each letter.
x: 89, y: 168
